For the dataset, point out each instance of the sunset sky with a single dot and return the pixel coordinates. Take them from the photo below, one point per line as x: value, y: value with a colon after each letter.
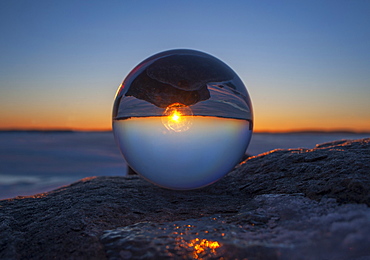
x: 306, y: 64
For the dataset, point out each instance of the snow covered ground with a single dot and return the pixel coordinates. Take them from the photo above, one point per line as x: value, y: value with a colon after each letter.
x: 33, y: 162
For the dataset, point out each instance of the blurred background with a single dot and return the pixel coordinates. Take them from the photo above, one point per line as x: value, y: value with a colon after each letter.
x: 306, y: 65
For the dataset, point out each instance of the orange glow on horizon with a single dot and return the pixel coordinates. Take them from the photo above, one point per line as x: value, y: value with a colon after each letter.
x: 106, y: 126
x: 44, y: 123
x: 35, y: 118
x: 289, y: 125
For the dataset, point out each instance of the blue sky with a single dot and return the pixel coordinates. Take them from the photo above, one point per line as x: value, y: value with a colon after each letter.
x: 306, y: 64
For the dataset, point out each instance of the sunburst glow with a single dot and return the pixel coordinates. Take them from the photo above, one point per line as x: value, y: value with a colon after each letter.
x: 177, y: 117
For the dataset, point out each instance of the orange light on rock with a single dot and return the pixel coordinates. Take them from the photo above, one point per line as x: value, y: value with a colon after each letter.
x: 203, y: 246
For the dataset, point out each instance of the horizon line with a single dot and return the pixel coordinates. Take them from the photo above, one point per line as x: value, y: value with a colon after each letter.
x: 292, y: 131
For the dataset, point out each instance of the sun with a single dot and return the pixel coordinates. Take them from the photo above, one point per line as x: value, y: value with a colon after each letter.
x: 177, y: 117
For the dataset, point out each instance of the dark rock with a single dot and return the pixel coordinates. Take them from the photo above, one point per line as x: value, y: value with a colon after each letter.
x: 180, y: 76
x: 163, y: 95
x: 339, y: 170
x: 131, y: 171
x: 272, y: 226
x: 285, y: 204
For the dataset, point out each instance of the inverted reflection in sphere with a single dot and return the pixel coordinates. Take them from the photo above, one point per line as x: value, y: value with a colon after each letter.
x: 182, y: 119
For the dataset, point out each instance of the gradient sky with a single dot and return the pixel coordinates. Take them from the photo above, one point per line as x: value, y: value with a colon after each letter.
x: 306, y: 64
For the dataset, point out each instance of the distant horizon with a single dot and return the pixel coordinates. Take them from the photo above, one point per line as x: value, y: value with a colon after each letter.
x: 292, y: 131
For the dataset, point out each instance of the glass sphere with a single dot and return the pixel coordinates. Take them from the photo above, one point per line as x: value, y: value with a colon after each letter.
x: 182, y: 119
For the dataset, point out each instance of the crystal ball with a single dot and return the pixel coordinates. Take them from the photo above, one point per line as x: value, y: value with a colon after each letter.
x: 182, y: 119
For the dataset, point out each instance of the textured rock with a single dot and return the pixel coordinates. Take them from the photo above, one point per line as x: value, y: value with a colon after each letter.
x: 269, y: 227
x: 285, y: 204
x: 339, y: 170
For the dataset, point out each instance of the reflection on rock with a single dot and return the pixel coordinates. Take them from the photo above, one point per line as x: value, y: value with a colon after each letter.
x: 197, y: 240
x: 163, y: 95
x: 188, y: 77
x: 178, y: 78
x: 271, y: 226
x: 189, y: 70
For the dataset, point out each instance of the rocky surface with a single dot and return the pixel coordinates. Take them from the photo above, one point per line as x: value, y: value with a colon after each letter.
x: 285, y: 204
